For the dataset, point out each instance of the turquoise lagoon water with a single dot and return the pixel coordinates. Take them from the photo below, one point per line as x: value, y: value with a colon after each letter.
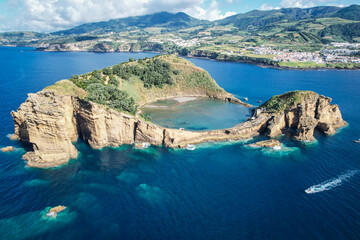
x: 197, y: 114
x: 218, y: 191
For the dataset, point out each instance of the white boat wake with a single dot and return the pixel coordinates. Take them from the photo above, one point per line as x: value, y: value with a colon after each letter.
x: 329, y: 184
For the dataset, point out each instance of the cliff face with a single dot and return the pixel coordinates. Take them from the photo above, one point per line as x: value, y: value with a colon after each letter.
x: 50, y: 122
x: 52, y: 119
x: 47, y: 121
x: 313, y: 111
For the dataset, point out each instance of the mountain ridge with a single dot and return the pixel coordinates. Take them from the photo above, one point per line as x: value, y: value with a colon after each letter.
x: 175, y: 20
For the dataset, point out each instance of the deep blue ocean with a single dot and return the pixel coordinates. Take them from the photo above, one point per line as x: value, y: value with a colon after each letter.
x: 218, y: 191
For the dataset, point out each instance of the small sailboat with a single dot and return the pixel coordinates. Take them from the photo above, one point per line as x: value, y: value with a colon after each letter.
x: 246, y: 99
x: 357, y: 140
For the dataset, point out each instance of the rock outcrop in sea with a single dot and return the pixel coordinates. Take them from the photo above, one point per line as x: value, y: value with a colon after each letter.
x: 52, y: 119
x: 266, y: 143
x: 7, y: 149
x: 55, y: 210
x: 302, y: 111
x: 51, y: 122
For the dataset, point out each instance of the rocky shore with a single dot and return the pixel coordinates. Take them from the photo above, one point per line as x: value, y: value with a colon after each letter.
x: 92, y: 46
x: 50, y: 122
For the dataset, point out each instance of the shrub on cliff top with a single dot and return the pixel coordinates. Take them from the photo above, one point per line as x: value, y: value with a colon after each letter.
x: 285, y: 101
x: 111, y: 96
x: 153, y: 72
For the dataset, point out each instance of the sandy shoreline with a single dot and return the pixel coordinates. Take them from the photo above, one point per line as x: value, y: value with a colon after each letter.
x: 179, y: 101
x: 184, y: 99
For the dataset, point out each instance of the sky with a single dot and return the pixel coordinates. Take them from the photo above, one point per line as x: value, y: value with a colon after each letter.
x: 53, y: 15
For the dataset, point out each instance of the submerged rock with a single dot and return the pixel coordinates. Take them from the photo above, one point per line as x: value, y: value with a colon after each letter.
x: 55, y: 210
x: 152, y: 194
x: 13, y: 137
x: 7, y: 149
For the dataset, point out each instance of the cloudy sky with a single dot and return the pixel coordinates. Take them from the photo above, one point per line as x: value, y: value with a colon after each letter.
x: 52, y: 15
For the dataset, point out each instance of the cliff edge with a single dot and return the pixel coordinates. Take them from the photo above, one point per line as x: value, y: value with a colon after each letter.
x: 52, y: 119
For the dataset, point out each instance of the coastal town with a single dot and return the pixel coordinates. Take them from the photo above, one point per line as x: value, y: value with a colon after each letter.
x: 335, y: 52
x: 332, y: 53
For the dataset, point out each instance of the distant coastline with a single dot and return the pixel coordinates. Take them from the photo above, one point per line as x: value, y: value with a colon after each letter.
x: 258, y: 62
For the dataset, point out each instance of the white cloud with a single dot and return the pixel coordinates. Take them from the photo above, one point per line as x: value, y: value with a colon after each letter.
x: 303, y: 3
x: 212, y: 13
x: 51, y: 15
x: 300, y: 4
x: 266, y: 6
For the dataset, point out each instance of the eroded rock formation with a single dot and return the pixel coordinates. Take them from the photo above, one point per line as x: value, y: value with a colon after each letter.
x: 7, y: 149
x: 310, y: 112
x: 51, y: 122
x: 47, y: 121
x: 267, y: 143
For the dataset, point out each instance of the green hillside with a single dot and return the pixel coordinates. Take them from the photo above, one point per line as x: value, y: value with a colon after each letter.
x: 352, y: 13
x: 126, y: 86
x: 163, y: 19
x: 234, y: 38
x: 286, y: 101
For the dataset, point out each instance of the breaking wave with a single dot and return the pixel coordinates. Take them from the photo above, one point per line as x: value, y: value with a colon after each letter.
x: 329, y: 184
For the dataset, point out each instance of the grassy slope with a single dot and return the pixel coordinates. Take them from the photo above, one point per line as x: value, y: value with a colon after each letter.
x: 66, y: 87
x: 191, y: 80
x: 283, y: 102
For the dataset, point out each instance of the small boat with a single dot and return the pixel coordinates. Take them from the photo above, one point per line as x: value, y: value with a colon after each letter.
x: 246, y: 99
x: 190, y: 147
x: 357, y: 141
x: 315, y: 189
x: 259, y: 101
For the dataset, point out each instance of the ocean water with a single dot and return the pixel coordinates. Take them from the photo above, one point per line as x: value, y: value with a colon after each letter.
x: 218, y: 191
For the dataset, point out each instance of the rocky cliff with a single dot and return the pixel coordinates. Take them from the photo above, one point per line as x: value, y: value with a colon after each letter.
x: 50, y: 122
x: 47, y: 121
x: 92, y: 106
x: 303, y: 111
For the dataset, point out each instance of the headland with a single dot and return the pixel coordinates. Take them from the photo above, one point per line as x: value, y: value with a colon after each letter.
x: 102, y: 108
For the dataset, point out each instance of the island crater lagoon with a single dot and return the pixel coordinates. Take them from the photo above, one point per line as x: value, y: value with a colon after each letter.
x: 220, y: 190
x: 196, y: 114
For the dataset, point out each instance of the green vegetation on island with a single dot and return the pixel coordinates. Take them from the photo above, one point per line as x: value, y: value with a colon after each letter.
x: 283, y: 102
x: 274, y: 38
x: 128, y: 85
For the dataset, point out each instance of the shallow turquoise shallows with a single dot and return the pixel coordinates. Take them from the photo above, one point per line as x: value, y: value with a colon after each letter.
x: 218, y: 191
x: 196, y: 114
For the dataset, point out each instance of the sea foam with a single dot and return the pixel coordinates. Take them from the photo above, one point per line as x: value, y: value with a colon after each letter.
x: 331, y: 183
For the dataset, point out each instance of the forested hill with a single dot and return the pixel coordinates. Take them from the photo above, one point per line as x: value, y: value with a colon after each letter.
x: 126, y: 85
x: 308, y: 29
x: 162, y: 19
x: 255, y: 18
